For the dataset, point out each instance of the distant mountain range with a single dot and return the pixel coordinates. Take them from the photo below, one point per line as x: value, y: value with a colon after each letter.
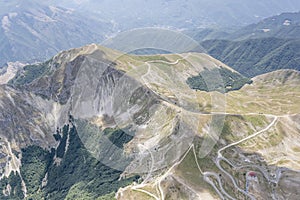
x: 33, y: 32
x: 252, y: 57
x: 183, y: 14
x: 269, y: 45
x: 286, y: 25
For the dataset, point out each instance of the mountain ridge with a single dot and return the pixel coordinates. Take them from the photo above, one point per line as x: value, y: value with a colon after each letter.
x: 104, y: 107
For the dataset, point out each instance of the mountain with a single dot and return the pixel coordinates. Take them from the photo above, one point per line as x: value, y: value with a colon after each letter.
x: 95, y: 123
x: 285, y: 26
x: 32, y: 31
x: 269, y: 45
x: 252, y: 57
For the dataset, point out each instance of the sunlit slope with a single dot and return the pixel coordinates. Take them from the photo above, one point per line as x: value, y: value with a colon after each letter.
x: 275, y: 93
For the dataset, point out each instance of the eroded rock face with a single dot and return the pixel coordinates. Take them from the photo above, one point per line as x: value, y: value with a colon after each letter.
x: 84, y: 87
x: 21, y: 120
x: 22, y: 124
